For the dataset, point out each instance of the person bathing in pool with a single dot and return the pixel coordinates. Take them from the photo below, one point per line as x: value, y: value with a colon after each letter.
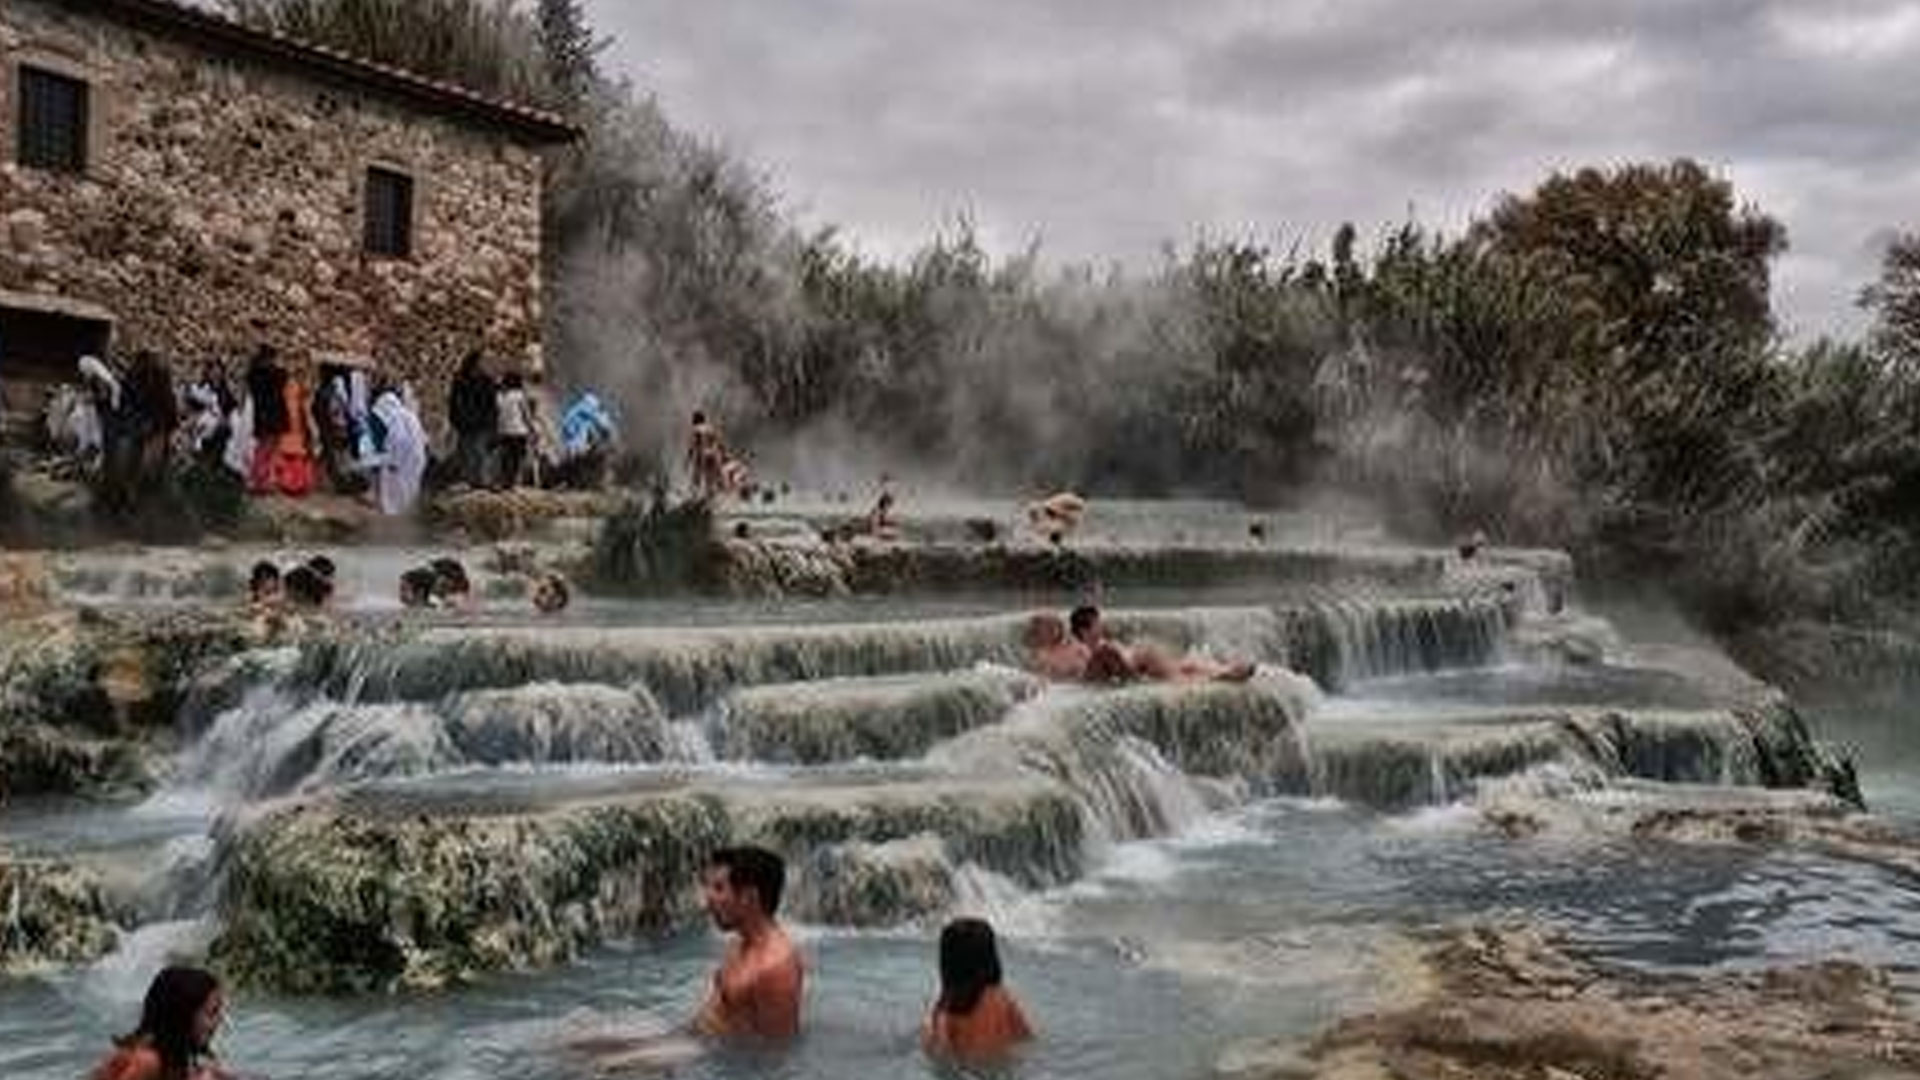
x: 756, y: 992
x: 974, y: 1018
x: 182, y: 1012
x: 1053, y: 653
x: 1109, y: 661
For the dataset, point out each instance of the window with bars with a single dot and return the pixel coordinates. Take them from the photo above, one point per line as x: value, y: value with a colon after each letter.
x: 53, y: 120
x: 389, y: 214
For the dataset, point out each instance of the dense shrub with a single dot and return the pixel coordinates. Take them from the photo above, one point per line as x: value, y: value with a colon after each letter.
x: 1594, y: 364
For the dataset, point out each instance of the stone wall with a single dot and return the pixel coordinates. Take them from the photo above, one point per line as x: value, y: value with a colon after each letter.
x: 222, y: 207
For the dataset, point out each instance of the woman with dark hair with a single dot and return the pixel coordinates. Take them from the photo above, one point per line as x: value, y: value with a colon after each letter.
x: 974, y: 1017
x: 182, y: 1012
x: 267, y: 393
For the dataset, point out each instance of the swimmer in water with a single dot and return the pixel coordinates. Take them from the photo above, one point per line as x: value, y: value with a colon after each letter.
x: 551, y: 594
x: 1057, y: 516
x: 1109, y: 661
x: 264, y: 585
x: 451, y: 586
x: 975, y: 1018
x: 756, y: 992
x: 182, y: 1012
x: 416, y: 587
x: 306, y: 590
x: 1051, y: 652
x: 882, y: 523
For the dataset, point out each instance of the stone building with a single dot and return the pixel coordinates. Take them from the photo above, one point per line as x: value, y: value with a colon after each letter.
x: 171, y: 180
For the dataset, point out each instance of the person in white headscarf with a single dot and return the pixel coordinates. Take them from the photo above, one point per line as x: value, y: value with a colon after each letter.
x: 99, y: 398
x: 403, y: 460
x: 96, y: 376
x: 238, y: 457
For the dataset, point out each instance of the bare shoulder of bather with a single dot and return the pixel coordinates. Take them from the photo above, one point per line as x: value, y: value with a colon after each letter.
x: 756, y: 992
x: 1051, y: 652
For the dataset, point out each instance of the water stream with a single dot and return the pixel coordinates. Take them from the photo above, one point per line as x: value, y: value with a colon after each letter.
x: 1234, y: 865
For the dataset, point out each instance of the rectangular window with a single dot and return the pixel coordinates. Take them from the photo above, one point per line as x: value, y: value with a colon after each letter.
x: 389, y: 213
x: 53, y: 121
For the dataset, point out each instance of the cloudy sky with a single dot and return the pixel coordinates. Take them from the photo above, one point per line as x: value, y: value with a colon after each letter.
x: 1107, y: 127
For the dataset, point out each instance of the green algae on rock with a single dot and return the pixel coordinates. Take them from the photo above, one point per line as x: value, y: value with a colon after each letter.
x: 84, y: 698
x: 334, y: 896
x: 51, y: 915
x: 318, y: 900
x: 875, y: 718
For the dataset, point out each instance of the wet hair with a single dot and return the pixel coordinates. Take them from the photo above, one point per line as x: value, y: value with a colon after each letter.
x: 1109, y: 664
x: 174, y: 999
x: 416, y: 586
x: 263, y: 574
x: 450, y: 577
x: 969, y: 965
x: 1082, y: 619
x: 699, y: 417
x: 754, y: 868
x: 1044, y: 631
x: 306, y: 587
x: 323, y: 566
x: 554, y: 586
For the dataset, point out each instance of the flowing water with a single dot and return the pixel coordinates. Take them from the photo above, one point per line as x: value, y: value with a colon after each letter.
x: 1236, y: 864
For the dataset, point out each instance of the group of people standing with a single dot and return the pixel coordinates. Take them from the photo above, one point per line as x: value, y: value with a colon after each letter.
x: 281, y: 430
x: 120, y: 421
x: 294, y: 429
x: 508, y: 433
x: 354, y: 433
x: 755, y: 996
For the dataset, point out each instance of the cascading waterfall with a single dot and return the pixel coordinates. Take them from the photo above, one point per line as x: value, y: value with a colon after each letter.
x: 1341, y: 642
x: 886, y: 718
x: 688, y: 670
x: 906, y: 769
x: 284, y: 741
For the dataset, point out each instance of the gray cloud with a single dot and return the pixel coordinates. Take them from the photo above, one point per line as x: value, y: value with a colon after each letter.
x: 1110, y: 127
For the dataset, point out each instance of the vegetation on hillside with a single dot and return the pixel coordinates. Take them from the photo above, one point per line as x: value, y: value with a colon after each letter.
x: 1594, y: 364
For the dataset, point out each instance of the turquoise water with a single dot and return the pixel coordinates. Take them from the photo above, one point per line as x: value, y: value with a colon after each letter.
x: 1258, y: 924
x: 1266, y: 921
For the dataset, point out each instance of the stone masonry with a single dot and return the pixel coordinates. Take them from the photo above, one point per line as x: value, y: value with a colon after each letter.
x: 222, y: 204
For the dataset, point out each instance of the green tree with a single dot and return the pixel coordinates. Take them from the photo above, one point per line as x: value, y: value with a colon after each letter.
x: 570, y: 49
x: 1671, y: 265
x: 489, y: 46
x: 1894, y: 301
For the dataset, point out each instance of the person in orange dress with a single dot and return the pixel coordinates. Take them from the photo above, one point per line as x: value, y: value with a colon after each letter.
x: 293, y: 455
x: 182, y: 1011
x: 975, y: 1018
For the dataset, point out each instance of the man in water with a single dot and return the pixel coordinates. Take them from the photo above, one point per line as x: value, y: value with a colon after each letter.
x: 756, y: 993
x: 1051, y: 653
x: 1057, y: 516
x: 1109, y: 661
